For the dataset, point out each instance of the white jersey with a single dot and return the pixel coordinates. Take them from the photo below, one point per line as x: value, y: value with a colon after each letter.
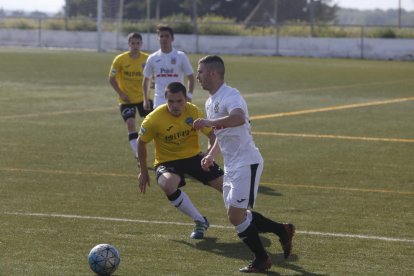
x: 166, y: 68
x: 236, y: 143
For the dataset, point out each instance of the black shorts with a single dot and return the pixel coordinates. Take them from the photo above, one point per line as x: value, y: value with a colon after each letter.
x: 129, y: 110
x: 190, y: 166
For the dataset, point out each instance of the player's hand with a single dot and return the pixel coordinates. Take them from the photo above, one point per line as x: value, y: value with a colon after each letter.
x: 207, y: 162
x: 200, y: 123
x: 147, y: 105
x: 143, y: 181
x: 124, y: 97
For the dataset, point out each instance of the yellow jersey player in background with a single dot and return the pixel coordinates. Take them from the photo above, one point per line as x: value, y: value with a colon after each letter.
x: 126, y: 77
x: 177, y: 152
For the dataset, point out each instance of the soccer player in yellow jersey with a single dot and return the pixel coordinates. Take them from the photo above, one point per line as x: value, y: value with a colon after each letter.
x: 177, y: 152
x: 126, y: 77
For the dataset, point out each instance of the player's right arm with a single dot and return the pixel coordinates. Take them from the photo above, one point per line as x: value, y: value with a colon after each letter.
x: 143, y: 176
x: 145, y: 89
x: 115, y: 86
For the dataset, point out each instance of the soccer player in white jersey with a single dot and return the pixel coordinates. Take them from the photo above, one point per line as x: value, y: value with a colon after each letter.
x: 166, y: 65
x: 228, y: 115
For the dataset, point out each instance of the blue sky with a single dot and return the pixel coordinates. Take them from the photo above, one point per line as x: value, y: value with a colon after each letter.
x: 56, y: 5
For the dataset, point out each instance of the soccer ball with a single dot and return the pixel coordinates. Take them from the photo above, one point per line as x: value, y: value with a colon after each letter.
x: 104, y: 259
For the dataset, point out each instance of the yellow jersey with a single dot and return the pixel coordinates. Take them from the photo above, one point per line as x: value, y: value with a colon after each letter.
x: 174, y: 137
x: 128, y: 72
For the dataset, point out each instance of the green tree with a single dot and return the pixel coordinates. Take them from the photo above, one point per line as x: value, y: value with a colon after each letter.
x: 240, y: 10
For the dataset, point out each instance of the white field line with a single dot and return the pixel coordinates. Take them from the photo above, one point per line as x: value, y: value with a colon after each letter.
x: 330, y: 108
x: 65, y: 112
x: 312, y: 233
x: 321, y: 88
x: 56, y: 113
x: 328, y: 136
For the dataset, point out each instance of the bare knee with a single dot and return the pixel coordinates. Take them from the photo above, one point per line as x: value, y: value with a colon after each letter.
x: 236, y: 215
x: 169, y: 183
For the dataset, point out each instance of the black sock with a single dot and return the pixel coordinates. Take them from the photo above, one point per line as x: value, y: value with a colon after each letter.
x: 251, y: 238
x: 132, y: 136
x: 265, y: 225
x: 174, y: 195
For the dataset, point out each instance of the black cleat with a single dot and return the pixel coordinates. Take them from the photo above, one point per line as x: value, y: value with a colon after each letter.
x: 286, y: 239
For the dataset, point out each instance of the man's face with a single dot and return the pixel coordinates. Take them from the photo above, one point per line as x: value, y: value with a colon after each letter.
x: 165, y: 39
x: 175, y: 103
x: 203, y: 76
x: 134, y: 45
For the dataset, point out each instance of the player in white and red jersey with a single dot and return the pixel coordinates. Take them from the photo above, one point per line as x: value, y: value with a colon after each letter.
x: 228, y: 115
x: 166, y: 65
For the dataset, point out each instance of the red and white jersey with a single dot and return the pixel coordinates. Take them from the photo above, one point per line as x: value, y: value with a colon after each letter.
x: 166, y: 68
x: 236, y: 143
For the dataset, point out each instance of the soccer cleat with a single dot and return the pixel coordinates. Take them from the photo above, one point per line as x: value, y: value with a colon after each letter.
x: 199, y: 228
x: 257, y: 266
x: 286, y: 240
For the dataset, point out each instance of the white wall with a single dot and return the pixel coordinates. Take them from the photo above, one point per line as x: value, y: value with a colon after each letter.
x: 392, y: 49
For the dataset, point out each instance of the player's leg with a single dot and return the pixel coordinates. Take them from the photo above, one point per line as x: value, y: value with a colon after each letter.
x: 132, y: 135
x: 248, y: 233
x: 213, y: 177
x: 217, y: 183
x: 128, y: 114
x: 239, y: 193
x: 284, y: 231
x: 169, y: 182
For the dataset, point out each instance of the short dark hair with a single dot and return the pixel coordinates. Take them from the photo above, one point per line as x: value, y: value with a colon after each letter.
x: 165, y: 28
x: 176, y: 87
x: 214, y: 62
x: 134, y: 35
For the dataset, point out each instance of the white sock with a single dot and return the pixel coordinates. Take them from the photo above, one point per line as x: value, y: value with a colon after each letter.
x: 249, y: 215
x: 133, y: 144
x: 243, y: 226
x: 184, y: 204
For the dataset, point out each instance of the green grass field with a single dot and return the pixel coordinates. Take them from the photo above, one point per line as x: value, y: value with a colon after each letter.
x: 337, y: 137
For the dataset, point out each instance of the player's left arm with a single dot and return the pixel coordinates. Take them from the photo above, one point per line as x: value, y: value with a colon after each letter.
x: 211, y: 140
x: 146, y: 82
x: 213, y: 151
x: 188, y: 70
x: 190, y: 85
x: 236, y: 118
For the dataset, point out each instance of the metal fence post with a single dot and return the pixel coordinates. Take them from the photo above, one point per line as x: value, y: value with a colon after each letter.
x: 362, y: 41
x: 275, y: 11
x: 277, y: 39
x: 195, y: 16
x: 39, y: 33
x: 99, y: 26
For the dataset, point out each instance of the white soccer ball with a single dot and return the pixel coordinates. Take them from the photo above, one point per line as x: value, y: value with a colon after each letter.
x: 104, y: 259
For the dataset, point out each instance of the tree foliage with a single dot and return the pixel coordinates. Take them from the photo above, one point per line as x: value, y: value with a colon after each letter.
x: 374, y: 17
x: 240, y: 10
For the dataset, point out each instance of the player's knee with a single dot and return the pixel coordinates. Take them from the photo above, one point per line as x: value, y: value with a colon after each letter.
x: 236, y: 215
x: 168, y: 185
